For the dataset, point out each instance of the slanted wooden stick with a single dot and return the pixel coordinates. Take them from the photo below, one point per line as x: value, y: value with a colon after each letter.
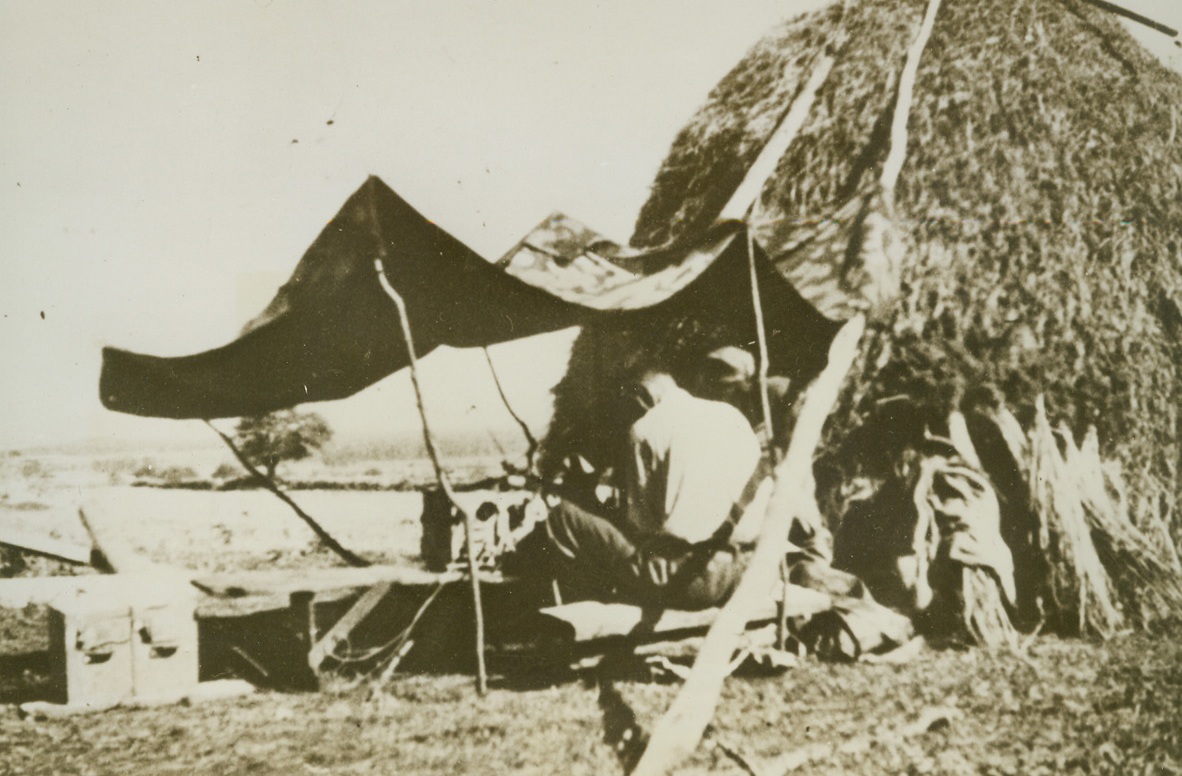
x: 441, y: 476
x: 765, y: 405
x: 110, y: 554
x: 1157, y: 26
x: 782, y: 137
x: 347, y: 555
x: 897, y: 155
x: 680, y: 729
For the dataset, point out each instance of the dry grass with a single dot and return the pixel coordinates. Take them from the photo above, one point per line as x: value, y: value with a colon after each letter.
x: 986, y: 618
x: 1078, y: 589
x: 1098, y: 570
x: 1068, y: 706
x: 1146, y: 575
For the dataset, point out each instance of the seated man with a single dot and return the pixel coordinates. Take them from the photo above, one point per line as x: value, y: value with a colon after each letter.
x: 692, y: 466
x: 728, y: 374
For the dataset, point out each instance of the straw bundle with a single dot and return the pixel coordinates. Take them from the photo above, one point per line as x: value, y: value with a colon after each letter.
x: 984, y: 611
x: 1146, y: 576
x: 1078, y: 592
x: 1096, y: 568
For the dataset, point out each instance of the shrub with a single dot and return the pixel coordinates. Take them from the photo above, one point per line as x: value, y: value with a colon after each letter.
x: 286, y: 435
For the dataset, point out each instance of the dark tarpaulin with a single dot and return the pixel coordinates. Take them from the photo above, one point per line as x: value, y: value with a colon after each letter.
x: 331, y: 330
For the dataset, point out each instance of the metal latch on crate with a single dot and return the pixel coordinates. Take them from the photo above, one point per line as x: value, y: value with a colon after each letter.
x: 98, y: 640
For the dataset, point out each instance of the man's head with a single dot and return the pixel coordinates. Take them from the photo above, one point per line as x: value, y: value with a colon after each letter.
x: 725, y: 374
x: 649, y: 387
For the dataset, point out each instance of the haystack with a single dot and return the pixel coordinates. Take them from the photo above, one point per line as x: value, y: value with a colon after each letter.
x: 1039, y: 208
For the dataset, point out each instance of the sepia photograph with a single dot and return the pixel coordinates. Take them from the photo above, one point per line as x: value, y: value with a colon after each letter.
x: 630, y: 387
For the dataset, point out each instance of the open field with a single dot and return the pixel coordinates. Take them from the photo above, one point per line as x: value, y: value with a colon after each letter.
x: 246, y: 529
x: 1068, y: 706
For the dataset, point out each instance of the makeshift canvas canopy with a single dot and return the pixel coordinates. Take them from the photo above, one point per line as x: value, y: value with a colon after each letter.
x: 331, y: 330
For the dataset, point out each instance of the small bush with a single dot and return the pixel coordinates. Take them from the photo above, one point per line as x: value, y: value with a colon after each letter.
x: 226, y: 471
x: 176, y: 475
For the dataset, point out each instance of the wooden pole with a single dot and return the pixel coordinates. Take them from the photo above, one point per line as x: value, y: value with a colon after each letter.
x: 1157, y: 26
x: 765, y: 406
x: 747, y: 193
x: 441, y: 475
x: 897, y: 155
x: 678, y: 732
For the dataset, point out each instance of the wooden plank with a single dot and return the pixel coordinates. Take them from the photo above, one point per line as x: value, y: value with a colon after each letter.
x: 211, y: 607
x: 243, y: 593
x: 46, y: 546
x: 23, y: 591
x: 112, y: 554
x: 19, y: 592
x: 234, y: 593
x: 215, y: 690
x: 340, y: 631
x: 236, y: 584
x: 587, y: 621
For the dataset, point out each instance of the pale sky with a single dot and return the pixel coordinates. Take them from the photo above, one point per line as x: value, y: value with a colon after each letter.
x: 163, y: 166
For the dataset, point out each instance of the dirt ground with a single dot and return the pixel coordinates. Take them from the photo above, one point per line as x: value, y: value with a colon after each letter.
x: 1066, y: 706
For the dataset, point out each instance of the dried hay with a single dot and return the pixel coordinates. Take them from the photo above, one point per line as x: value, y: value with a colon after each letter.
x: 1145, y: 574
x: 986, y: 617
x: 1078, y: 593
x: 1039, y: 209
x: 1098, y: 569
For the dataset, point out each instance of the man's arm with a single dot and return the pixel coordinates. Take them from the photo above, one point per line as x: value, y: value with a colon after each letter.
x: 644, y: 486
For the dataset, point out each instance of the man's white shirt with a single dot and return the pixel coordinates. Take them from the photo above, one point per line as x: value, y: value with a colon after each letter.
x: 690, y: 460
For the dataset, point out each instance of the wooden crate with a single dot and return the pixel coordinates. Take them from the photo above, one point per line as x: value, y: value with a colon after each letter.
x: 121, y: 637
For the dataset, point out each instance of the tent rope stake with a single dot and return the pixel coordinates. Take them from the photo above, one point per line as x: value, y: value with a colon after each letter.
x: 350, y: 557
x: 441, y: 475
